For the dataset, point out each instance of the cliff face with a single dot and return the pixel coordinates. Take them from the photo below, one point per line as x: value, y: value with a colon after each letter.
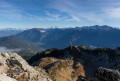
x: 78, y: 63
x: 14, y: 68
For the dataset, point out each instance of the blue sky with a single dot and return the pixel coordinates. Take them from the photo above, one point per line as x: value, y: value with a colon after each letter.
x: 64, y: 13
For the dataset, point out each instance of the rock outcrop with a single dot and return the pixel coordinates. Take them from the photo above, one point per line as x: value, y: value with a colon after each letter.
x: 104, y: 74
x: 12, y: 65
x: 60, y: 64
x: 77, y: 63
x: 4, y: 77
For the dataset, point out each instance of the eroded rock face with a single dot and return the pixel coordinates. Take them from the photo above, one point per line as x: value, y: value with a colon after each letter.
x: 104, y: 74
x: 15, y: 67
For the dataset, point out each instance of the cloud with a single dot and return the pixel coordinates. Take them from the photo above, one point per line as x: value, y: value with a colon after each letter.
x: 4, y: 4
x: 12, y: 12
x: 4, y: 49
x: 74, y: 10
x: 74, y: 18
x: 112, y: 11
x: 52, y: 15
x: 9, y: 11
x: 97, y: 11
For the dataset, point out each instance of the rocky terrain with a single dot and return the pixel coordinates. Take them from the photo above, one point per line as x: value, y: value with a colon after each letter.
x: 14, y: 68
x: 74, y: 63
x: 79, y: 63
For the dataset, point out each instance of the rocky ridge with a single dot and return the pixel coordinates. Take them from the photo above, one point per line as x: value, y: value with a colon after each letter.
x: 79, y: 63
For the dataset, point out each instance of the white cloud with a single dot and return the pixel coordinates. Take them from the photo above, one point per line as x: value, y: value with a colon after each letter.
x: 52, y: 15
x: 12, y: 12
x: 96, y: 11
x: 74, y: 10
x: 9, y: 11
x: 112, y: 11
x: 4, y: 4
x: 74, y: 18
x: 4, y: 49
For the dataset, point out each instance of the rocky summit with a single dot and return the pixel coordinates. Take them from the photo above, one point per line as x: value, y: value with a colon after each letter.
x: 79, y: 63
x: 14, y: 68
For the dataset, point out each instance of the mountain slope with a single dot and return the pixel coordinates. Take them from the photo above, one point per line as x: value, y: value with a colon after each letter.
x: 26, y: 48
x: 33, y: 35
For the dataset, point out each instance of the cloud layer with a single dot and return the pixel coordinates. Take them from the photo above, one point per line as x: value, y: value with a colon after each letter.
x: 4, y: 49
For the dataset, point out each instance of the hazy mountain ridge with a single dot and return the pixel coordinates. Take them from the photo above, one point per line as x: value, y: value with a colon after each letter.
x: 10, y: 31
x: 98, y: 36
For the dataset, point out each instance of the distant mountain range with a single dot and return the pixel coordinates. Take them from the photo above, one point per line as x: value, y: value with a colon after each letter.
x: 91, y: 36
x: 56, y: 37
x: 10, y: 31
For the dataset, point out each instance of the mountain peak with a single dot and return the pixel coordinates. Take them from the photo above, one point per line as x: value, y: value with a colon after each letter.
x: 56, y: 27
x: 39, y: 29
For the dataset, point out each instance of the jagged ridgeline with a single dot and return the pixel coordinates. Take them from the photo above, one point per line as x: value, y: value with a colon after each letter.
x: 79, y: 63
x: 92, y: 36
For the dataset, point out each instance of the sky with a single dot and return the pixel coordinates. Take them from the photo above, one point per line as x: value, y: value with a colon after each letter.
x: 63, y: 13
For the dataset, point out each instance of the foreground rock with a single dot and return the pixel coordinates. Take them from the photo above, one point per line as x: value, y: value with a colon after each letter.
x: 15, y: 67
x: 104, y: 74
x: 3, y: 77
